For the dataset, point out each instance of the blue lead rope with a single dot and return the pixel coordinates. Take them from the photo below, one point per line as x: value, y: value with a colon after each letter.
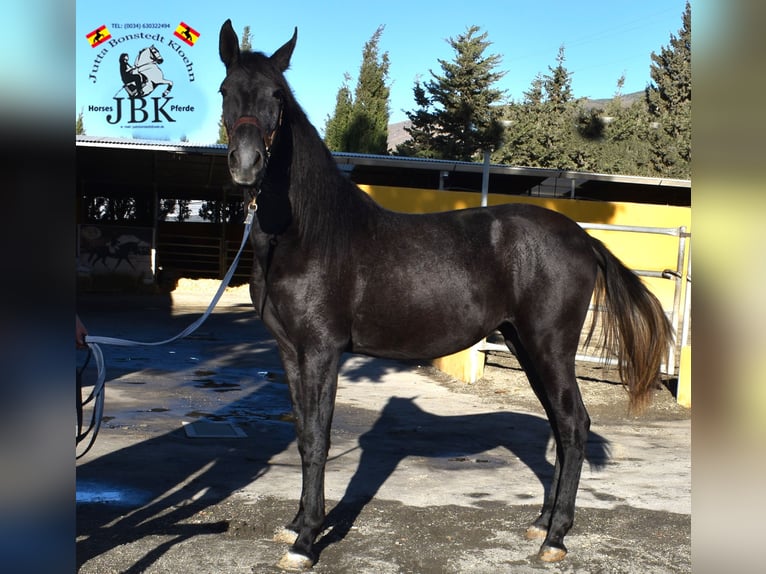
x: 97, y: 394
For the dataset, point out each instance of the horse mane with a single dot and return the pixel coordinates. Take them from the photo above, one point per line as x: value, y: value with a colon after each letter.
x: 328, y: 208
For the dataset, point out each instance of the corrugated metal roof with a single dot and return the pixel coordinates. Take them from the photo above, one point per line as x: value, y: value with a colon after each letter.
x: 398, y: 162
x: 150, y: 145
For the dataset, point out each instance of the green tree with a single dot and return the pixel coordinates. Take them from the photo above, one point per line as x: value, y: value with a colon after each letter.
x: 79, y: 126
x: 618, y: 135
x: 545, y: 129
x: 558, y: 84
x: 336, y: 126
x: 525, y: 135
x: 360, y: 124
x: 458, y: 115
x: 668, y: 98
x: 245, y: 43
x: 223, y: 136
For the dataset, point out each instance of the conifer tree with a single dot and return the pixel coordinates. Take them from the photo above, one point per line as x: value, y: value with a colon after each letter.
x: 336, y: 126
x: 617, y: 135
x: 668, y: 98
x: 543, y: 128
x: 558, y: 84
x: 79, y: 126
x: 457, y: 115
x: 360, y: 124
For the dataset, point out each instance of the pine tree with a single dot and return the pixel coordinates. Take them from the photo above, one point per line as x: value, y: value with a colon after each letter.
x: 336, y: 126
x: 543, y: 128
x: 617, y: 135
x: 458, y: 116
x: 558, y: 84
x: 668, y: 98
x: 79, y: 126
x: 422, y: 129
x: 245, y: 43
x: 360, y: 124
x: 526, y: 121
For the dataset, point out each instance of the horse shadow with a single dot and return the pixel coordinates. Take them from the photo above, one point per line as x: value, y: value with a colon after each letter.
x: 404, y: 430
x: 161, y: 486
x: 169, y: 480
x: 187, y: 477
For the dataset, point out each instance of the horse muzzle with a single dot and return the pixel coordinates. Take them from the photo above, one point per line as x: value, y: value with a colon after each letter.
x: 249, y: 147
x: 246, y: 163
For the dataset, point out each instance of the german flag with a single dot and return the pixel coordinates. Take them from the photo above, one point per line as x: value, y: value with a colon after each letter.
x: 186, y: 33
x: 98, y: 36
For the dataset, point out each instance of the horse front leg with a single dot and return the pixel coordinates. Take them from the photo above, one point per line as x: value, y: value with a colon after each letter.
x: 313, y: 381
x: 167, y: 90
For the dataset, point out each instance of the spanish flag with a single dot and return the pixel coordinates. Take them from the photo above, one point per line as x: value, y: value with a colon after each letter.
x: 98, y: 36
x: 186, y: 33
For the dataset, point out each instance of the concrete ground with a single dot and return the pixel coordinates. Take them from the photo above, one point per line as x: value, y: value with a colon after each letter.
x: 426, y: 474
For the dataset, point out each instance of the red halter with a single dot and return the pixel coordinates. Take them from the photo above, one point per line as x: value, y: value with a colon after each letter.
x: 268, y: 139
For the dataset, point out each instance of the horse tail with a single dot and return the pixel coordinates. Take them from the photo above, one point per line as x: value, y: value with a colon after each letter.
x: 635, y: 328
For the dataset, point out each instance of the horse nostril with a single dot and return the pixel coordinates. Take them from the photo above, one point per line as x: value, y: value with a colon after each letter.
x: 233, y: 159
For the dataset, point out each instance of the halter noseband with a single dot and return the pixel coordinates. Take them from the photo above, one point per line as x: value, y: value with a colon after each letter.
x: 268, y: 139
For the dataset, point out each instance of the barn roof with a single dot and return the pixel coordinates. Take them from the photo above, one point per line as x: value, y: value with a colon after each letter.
x: 102, y: 161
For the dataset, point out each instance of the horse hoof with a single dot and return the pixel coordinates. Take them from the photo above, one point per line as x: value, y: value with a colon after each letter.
x: 535, y: 533
x: 285, y: 536
x: 551, y: 554
x: 294, y: 562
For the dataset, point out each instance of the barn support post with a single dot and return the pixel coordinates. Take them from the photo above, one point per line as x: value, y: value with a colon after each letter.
x: 222, y: 265
x: 485, y: 179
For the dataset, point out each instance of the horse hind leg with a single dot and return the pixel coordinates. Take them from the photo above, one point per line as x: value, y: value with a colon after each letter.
x: 549, y: 364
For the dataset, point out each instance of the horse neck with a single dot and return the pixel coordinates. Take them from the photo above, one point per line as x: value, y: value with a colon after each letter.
x: 327, y: 206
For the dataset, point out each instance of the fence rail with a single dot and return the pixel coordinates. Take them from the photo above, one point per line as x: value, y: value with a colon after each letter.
x: 200, y: 256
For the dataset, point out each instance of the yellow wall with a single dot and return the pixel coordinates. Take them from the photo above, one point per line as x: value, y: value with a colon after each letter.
x: 411, y: 200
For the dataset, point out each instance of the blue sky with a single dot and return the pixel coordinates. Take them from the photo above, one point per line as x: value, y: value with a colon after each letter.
x: 603, y: 40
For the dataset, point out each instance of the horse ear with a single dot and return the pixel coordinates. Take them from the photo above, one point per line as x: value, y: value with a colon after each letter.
x: 281, y: 57
x: 228, y: 44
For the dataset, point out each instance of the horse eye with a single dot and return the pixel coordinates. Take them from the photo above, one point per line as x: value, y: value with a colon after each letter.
x: 279, y: 95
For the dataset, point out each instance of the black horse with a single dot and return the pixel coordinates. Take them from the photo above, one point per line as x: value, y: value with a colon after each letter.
x: 334, y: 272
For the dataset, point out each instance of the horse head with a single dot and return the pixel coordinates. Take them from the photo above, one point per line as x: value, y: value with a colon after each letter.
x: 154, y: 55
x: 254, y: 94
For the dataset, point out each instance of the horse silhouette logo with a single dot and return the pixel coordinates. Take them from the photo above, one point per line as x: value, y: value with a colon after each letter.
x: 140, y: 79
x: 118, y: 249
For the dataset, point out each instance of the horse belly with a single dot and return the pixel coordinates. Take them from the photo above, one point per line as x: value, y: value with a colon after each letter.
x: 419, y: 329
